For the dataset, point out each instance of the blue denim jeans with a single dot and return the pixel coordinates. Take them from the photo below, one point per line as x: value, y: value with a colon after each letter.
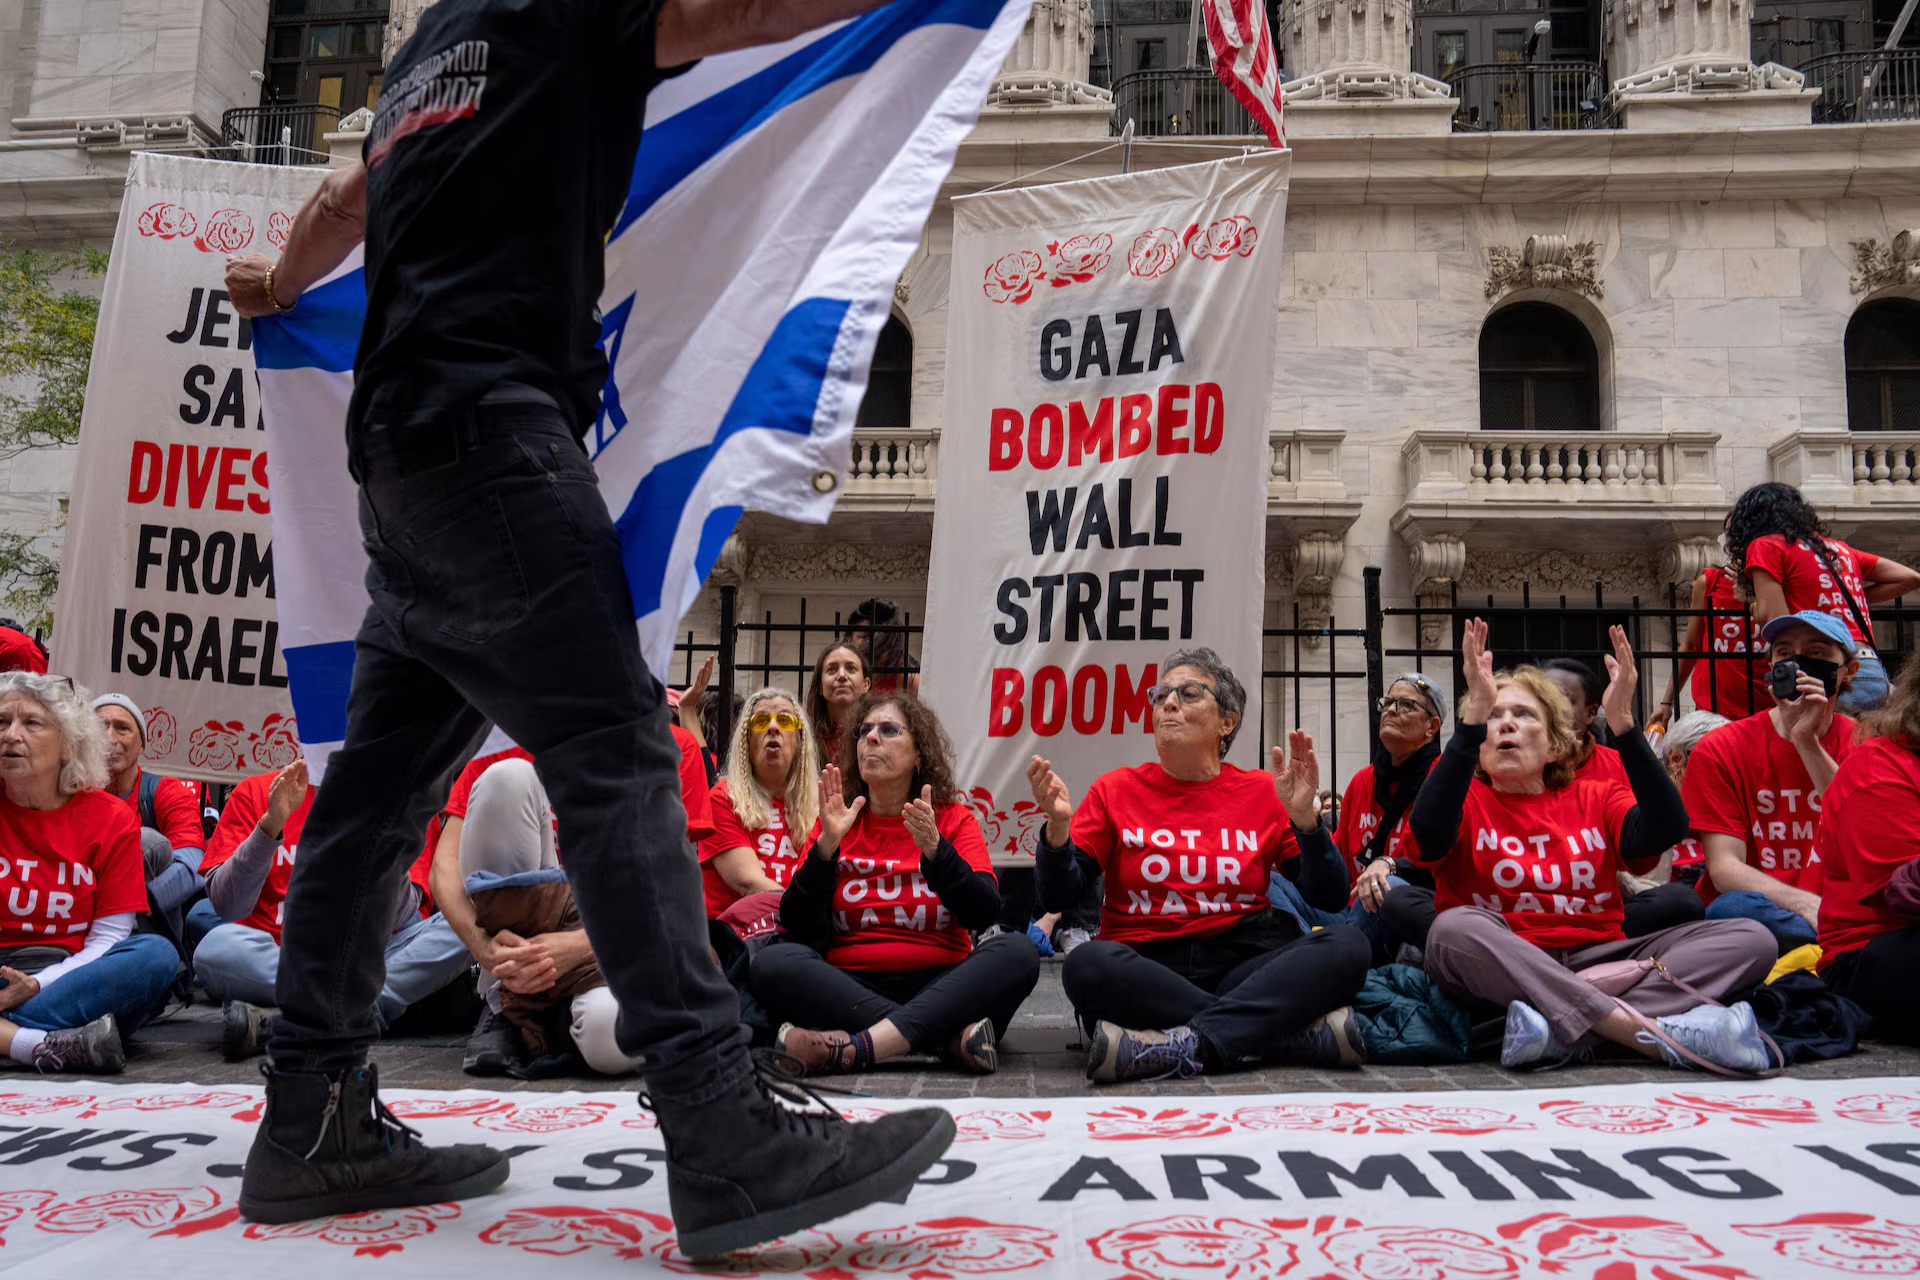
x: 1868, y: 692
x: 1789, y: 928
x: 239, y: 962
x: 130, y: 982
x: 1286, y: 896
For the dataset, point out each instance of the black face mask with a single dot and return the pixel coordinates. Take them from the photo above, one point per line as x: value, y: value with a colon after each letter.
x: 1827, y: 673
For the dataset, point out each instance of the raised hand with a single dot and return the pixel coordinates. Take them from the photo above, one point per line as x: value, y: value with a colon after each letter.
x: 1297, y: 779
x: 1478, y: 704
x: 922, y: 824
x: 1055, y: 801
x: 1623, y: 677
x: 288, y: 792
x: 836, y: 815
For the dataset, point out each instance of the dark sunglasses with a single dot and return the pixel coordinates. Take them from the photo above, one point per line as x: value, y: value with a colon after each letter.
x: 886, y: 728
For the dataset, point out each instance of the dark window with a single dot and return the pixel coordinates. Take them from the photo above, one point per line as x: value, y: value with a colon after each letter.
x: 1539, y: 371
x: 1883, y: 366
x: 890, y: 385
x: 325, y: 52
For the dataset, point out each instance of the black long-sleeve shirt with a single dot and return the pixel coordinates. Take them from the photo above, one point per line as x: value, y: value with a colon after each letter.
x: 971, y: 897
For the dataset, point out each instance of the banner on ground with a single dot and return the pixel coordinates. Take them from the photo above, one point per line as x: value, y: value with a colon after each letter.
x: 1691, y: 1180
x: 1103, y: 466
x: 167, y: 587
x: 777, y: 197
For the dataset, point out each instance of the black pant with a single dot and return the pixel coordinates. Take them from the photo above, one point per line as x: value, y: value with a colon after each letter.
x: 498, y: 594
x: 1409, y: 911
x: 1240, y: 990
x: 1883, y: 978
x: 798, y: 985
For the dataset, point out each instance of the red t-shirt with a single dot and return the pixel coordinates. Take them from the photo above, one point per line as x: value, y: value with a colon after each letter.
x: 1359, y: 819
x: 1870, y: 830
x: 1689, y: 853
x: 1548, y: 863
x: 886, y: 917
x: 176, y: 810
x: 1602, y: 766
x: 773, y: 844
x: 1182, y: 859
x: 62, y: 869
x: 1745, y: 780
x: 18, y: 652
x: 1807, y: 585
x: 694, y: 786
x: 245, y: 807
x: 1727, y: 685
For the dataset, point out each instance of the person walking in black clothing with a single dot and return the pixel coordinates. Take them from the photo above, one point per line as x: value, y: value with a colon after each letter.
x: 498, y: 595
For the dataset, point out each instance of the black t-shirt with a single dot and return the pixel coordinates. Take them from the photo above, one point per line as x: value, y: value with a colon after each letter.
x: 501, y: 152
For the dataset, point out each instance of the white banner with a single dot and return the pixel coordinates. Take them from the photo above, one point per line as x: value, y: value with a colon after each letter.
x: 166, y: 575
x: 1690, y: 1180
x: 1103, y: 466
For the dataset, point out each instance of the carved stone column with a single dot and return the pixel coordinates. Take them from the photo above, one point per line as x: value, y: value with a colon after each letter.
x: 1313, y: 564
x: 1352, y: 61
x: 1437, y: 562
x: 1684, y: 64
x: 1042, y: 88
x: 402, y: 18
x: 1683, y: 561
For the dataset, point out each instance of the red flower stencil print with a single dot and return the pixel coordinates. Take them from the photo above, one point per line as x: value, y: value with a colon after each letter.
x: 1308, y: 1117
x: 167, y: 221
x: 1759, y: 1110
x: 277, y: 745
x: 1078, y: 259
x: 1461, y: 1121
x: 1855, y: 1244
x: 216, y: 746
x: 1127, y: 1124
x: 561, y: 1230
x: 1880, y: 1108
x: 151, y: 1208
x: 1622, y: 1117
x: 1196, y: 1248
x: 225, y: 231
x: 38, y: 1104
x: 980, y: 1126
x: 1012, y: 277
x: 1223, y: 239
x: 205, y: 1099
x: 15, y: 1205
x: 369, y: 1235
x: 163, y: 732
x: 1567, y: 1245
x: 279, y: 226
x: 1154, y: 253
x: 545, y: 1119
x: 1418, y: 1253
x: 1003, y: 831
x: 948, y: 1247
x: 446, y: 1108
x: 810, y: 1251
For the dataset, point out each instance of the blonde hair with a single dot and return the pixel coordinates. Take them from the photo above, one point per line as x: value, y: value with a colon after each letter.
x: 1557, y: 715
x: 751, y: 804
x: 83, y: 739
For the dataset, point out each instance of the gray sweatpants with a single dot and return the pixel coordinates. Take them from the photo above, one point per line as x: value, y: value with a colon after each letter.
x: 1472, y: 953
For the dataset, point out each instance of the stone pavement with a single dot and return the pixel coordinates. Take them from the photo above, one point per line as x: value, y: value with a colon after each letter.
x: 1036, y: 1061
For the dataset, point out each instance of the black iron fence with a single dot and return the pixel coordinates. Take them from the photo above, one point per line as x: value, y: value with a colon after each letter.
x: 1865, y: 85
x: 281, y: 133
x: 1190, y: 102
x: 1504, y: 96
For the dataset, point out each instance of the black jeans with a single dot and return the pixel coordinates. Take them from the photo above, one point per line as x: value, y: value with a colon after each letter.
x: 1409, y: 911
x: 796, y: 984
x: 498, y: 594
x: 1240, y: 990
x: 1880, y: 978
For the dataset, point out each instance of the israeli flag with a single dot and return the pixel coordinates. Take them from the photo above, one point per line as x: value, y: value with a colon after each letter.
x: 778, y: 194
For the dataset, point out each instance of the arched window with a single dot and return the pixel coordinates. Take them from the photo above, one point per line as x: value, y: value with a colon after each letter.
x: 1883, y: 366
x: 889, y: 386
x: 1539, y: 371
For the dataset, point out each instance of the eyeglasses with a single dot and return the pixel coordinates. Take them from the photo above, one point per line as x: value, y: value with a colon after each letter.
x: 1190, y: 692
x: 1387, y: 704
x: 785, y: 721
x: 885, y: 728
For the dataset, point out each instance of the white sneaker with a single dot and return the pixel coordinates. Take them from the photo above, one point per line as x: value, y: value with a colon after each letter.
x: 1071, y: 938
x: 1726, y: 1037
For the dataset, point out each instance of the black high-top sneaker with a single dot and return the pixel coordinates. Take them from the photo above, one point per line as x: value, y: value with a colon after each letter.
x: 328, y: 1145
x: 747, y: 1167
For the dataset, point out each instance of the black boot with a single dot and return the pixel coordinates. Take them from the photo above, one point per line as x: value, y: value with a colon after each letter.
x: 328, y: 1145
x: 745, y: 1168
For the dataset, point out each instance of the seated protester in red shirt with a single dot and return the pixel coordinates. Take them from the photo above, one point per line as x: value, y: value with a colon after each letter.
x: 1753, y: 787
x: 1787, y: 564
x: 1526, y: 858
x: 771, y: 790
x: 878, y: 958
x: 1686, y: 862
x: 1373, y: 826
x: 497, y: 820
x: 249, y: 860
x: 1735, y: 686
x: 1193, y: 969
x: 74, y: 977
x: 1870, y: 854
x: 839, y: 681
x: 172, y: 841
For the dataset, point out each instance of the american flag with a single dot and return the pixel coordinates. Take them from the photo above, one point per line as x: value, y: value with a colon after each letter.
x: 1243, y: 58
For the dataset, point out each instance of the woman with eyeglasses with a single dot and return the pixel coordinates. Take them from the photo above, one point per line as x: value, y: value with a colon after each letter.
x: 1194, y: 970
x: 840, y: 680
x: 879, y: 958
x: 74, y: 977
x: 1526, y: 858
x: 768, y: 793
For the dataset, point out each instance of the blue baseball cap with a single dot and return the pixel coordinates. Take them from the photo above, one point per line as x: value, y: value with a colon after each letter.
x: 1826, y: 624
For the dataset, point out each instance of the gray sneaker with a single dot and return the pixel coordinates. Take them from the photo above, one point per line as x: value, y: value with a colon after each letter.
x: 1726, y: 1037
x: 1332, y: 1041
x: 94, y: 1047
x: 1117, y: 1053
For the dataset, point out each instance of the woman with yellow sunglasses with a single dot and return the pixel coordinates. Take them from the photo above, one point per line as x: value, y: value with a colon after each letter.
x: 768, y: 793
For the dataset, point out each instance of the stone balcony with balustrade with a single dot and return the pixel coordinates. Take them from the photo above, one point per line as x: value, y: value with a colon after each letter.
x: 1859, y: 479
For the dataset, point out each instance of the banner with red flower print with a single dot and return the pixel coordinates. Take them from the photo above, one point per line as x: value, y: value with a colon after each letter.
x: 1103, y: 466
x: 1774, y: 1180
x: 166, y: 572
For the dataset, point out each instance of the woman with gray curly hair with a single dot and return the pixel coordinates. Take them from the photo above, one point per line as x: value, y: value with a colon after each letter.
x: 75, y: 977
x: 1194, y: 970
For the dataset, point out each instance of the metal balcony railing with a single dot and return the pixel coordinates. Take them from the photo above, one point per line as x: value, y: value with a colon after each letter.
x: 282, y: 133
x: 1502, y: 96
x: 1865, y: 85
x: 1172, y: 104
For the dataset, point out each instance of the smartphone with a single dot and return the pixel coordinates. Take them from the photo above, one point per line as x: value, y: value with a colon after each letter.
x: 1785, y: 678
